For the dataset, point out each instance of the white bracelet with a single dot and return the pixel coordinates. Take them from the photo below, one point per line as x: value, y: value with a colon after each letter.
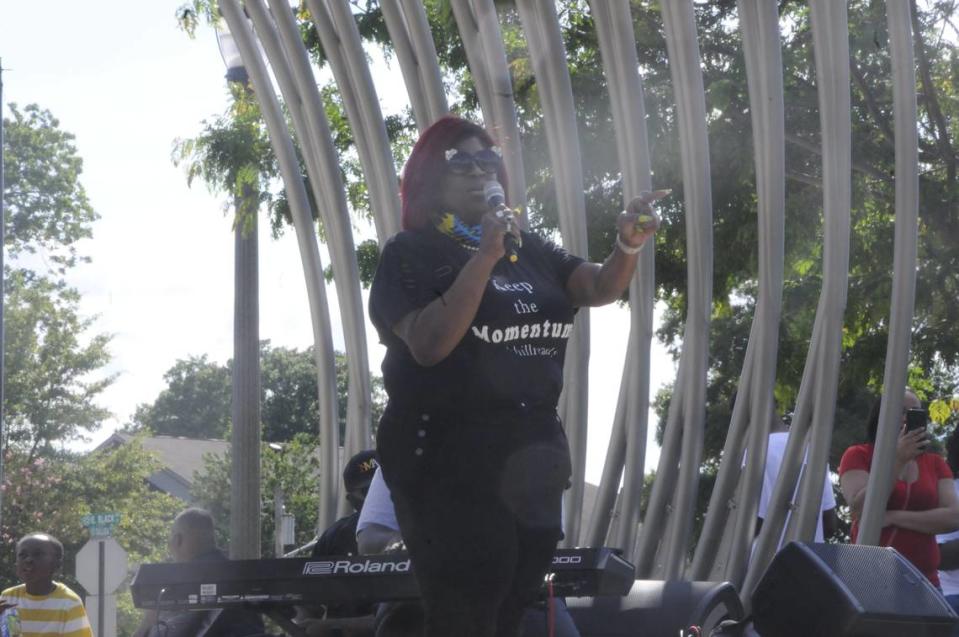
x: 630, y: 250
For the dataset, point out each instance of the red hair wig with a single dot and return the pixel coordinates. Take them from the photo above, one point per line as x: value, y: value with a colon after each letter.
x: 426, y: 167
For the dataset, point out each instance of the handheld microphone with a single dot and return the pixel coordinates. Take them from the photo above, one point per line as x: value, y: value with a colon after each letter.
x: 493, y: 191
x: 496, y: 198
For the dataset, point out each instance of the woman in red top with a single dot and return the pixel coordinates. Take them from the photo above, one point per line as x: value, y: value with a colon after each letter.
x: 923, y: 500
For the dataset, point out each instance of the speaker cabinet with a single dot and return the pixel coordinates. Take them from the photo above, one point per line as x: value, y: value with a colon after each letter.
x: 846, y: 590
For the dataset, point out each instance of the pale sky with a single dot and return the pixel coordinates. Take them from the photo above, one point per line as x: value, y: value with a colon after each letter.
x: 127, y: 82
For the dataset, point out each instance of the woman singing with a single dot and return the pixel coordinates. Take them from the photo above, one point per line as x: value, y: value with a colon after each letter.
x: 470, y: 443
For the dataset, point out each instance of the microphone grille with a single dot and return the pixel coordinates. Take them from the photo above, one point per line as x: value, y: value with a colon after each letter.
x: 494, y: 193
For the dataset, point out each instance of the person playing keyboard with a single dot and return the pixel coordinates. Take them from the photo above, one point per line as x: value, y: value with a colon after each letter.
x: 193, y: 539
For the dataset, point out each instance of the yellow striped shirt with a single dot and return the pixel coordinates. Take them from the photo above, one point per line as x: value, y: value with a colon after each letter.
x: 59, y: 614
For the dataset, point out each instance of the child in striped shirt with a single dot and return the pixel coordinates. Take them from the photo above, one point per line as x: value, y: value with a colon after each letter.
x: 44, y: 607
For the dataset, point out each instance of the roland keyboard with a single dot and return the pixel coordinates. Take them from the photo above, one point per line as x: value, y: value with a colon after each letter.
x: 579, y: 572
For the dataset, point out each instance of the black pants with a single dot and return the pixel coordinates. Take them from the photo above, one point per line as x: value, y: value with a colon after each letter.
x: 405, y: 619
x: 478, y: 498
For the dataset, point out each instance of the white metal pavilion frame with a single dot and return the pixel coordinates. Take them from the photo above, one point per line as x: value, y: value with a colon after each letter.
x: 659, y: 545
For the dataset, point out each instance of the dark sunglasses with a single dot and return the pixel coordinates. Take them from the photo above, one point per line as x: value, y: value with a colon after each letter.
x: 461, y: 163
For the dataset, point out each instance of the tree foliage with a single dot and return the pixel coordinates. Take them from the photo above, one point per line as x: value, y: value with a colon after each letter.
x: 196, y: 402
x: 51, y: 494
x: 935, y: 342
x: 292, y: 466
x: 935, y: 339
x: 53, y: 364
x: 45, y: 205
x: 233, y: 150
x: 232, y: 154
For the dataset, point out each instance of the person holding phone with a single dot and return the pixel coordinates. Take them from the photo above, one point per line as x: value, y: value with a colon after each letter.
x: 922, y: 501
x: 949, y: 542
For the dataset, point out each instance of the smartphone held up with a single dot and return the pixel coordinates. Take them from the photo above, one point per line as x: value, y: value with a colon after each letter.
x: 916, y: 419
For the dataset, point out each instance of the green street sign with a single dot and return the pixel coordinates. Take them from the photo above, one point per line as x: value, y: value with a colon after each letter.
x: 100, y: 524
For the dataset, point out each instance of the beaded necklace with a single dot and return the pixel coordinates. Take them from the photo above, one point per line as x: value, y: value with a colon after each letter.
x: 468, y: 236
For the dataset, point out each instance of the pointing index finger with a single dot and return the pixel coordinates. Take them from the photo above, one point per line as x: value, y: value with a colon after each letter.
x: 649, y: 197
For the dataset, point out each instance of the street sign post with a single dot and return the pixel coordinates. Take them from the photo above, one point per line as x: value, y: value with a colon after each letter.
x: 101, y: 569
x: 109, y: 626
x: 100, y: 524
x: 101, y: 566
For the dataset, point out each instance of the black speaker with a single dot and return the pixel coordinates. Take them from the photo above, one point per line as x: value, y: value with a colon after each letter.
x: 846, y: 590
x: 655, y: 608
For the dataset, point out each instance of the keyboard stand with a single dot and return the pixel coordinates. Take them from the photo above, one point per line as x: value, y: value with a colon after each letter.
x: 362, y: 624
x: 289, y: 627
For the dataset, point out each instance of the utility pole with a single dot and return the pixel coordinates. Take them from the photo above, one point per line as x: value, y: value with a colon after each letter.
x: 245, y: 438
x: 246, y: 432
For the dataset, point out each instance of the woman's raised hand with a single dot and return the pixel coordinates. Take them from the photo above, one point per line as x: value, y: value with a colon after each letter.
x: 911, y: 444
x: 639, y: 221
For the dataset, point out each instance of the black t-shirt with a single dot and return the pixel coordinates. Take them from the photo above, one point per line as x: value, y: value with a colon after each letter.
x: 512, y: 353
x: 339, y: 538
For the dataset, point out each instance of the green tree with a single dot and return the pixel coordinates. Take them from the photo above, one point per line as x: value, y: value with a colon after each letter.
x: 219, y: 147
x: 289, y: 404
x: 935, y: 339
x: 51, y: 494
x: 45, y: 205
x: 936, y: 330
x: 289, y: 386
x: 292, y: 466
x: 196, y: 402
x: 53, y: 362
x: 52, y: 367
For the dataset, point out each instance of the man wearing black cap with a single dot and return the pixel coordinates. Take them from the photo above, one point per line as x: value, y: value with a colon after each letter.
x: 340, y: 538
x: 344, y: 620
